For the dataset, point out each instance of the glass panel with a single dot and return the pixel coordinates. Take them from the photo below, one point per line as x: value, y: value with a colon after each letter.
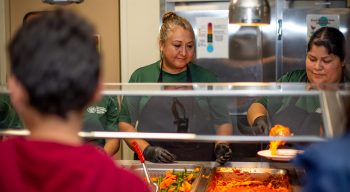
x: 302, y: 114
x: 191, y: 118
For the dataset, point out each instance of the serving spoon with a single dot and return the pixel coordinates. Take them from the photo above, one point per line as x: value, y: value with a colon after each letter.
x: 142, y: 159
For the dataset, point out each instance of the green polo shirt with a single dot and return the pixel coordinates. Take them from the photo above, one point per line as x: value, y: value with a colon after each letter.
x: 102, y: 116
x: 8, y: 115
x: 150, y: 74
x: 276, y: 104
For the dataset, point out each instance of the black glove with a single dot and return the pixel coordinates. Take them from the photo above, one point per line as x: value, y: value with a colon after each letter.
x: 223, y: 153
x: 158, y: 154
x: 261, y: 125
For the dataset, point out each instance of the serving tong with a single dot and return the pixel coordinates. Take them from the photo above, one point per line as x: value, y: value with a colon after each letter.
x: 142, y: 160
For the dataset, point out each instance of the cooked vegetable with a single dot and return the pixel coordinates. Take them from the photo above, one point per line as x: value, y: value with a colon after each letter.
x: 176, y: 181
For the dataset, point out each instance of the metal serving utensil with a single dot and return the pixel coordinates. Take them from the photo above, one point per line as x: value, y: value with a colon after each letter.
x: 142, y: 159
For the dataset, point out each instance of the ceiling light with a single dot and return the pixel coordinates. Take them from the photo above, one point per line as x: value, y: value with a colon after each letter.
x: 249, y: 12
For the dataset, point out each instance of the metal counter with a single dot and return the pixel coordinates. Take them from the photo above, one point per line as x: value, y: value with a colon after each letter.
x: 207, y: 167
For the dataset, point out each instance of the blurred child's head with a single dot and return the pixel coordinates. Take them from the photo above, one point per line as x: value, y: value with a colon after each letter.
x: 55, y: 62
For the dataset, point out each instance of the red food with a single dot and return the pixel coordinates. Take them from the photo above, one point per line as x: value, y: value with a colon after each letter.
x: 240, y: 181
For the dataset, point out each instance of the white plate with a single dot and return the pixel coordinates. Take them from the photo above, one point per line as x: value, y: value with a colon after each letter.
x: 281, y: 154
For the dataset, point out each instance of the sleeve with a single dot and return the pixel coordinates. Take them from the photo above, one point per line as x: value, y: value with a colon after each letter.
x: 219, y: 111
x: 3, y: 106
x: 8, y: 115
x: 112, y: 114
x: 130, y: 109
x: 262, y: 100
x: 3, y: 109
x: 272, y: 104
x: 129, y: 105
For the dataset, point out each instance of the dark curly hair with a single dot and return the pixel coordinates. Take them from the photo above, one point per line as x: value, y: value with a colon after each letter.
x: 55, y: 58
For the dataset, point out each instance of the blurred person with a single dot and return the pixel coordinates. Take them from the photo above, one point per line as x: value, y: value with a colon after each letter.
x: 326, y: 164
x: 100, y: 116
x: 55, y: 75
x: 103, y: 116
x: 324, y: 64
x: 8, y: 115
x: 200, y: 115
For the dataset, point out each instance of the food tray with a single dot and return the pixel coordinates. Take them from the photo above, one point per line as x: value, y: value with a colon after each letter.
x: 246, y: 178
x: 160, y: 169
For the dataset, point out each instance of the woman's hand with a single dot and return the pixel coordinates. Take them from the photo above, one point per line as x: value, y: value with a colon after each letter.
x: 223, y: 153
x: 261, y: 125
x: 158, y: 155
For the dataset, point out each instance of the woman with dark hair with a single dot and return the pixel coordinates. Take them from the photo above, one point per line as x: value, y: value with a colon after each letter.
x: 324, y: 65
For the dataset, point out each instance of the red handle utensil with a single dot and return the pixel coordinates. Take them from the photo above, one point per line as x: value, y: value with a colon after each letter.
x: 138, y: 152
x: 142, y: 159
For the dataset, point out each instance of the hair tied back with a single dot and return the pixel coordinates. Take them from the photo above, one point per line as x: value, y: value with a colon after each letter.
x: 168, y: 16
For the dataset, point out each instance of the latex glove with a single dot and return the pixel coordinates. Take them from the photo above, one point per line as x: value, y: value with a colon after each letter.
x: 158, y: 154
x: 223, y: 153
x: 261, y: 125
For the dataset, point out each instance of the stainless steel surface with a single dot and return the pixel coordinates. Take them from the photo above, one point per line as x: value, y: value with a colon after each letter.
x: 312, y: 4
x: 255, y: 174
x: 294, y: 173
x: 334, y: 118
x: 244, y: 63
x: 262, y: 54
x: 251, y: 170
x: 249, y: 12
x: 178, y: 137
x: 294, y: 35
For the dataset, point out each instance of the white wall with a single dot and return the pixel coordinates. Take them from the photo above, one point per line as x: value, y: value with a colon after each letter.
x: 139, y: 27
x: 4, y: 35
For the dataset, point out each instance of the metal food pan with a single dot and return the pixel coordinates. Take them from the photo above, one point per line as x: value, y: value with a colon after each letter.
x: 159, y: 169
x: 258, y: 174
x: 251, y: 170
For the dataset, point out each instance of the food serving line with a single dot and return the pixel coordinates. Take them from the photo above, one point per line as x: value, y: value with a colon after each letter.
x: 207, y: 170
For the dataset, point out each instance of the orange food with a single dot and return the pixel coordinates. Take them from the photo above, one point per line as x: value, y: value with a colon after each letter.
x: 278, y: 130
x: 176, y: 181
x: 242, y: 181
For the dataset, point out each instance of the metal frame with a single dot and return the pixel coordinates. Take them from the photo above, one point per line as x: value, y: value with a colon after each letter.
x: 178, y: 136
x: 330, y: 100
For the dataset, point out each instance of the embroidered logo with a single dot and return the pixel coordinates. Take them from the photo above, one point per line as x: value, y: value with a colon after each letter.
x: 96, y: 109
